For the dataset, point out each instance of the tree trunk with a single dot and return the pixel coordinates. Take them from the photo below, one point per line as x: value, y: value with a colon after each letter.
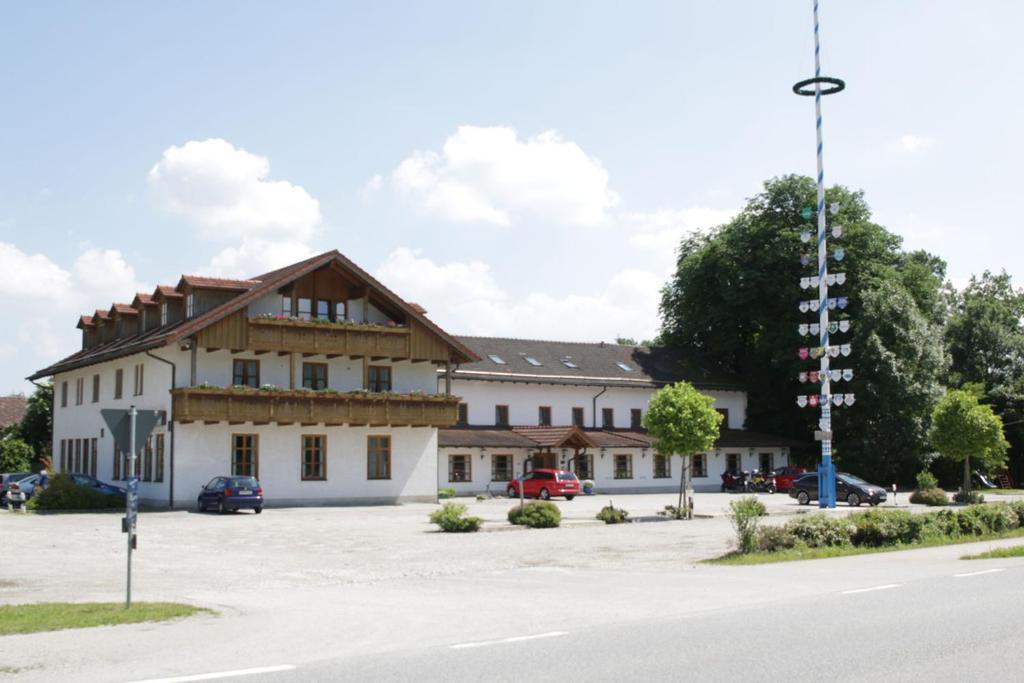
x: 682, y: 486
x: 967, y: 478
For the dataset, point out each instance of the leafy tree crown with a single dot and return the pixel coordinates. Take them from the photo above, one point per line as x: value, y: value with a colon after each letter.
x: 681, y: 420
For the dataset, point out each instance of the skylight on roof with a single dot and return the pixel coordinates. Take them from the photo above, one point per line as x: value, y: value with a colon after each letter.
x: 569, y: 364
x: 533, y: 361
x: 498, y: 360
x: 624, y: 366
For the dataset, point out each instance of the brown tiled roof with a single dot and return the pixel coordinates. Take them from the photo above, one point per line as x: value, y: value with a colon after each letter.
x: 473, y: 437
x: 12, y: 409
x: 123, y: 309
x: 555, y: 437
x: 266, y: 284
x: 595, y: 364
x: 167, y: 292
x: 203, y: 282
x: 416, y: 307
x: 101, y: 314
x: 144, y: 299
x: 85, y: 321
x: 539, y: 437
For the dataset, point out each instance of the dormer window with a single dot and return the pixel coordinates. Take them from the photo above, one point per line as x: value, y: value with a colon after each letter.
x: 567, y: 362
x: 190, y: 305
x: 624, y: 366
x: 496, y: 359
x: 163, y: 314
x: 533, y: 361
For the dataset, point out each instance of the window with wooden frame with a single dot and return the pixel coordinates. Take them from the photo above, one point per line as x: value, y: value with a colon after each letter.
x: 245, y: 455
x: 623, y: 466
x: 662, y: 466
x: 78, y: 456
x: 378, y: 457
x: 140, y: 369
x: 378, y: 378
x: 700, y: 466
x: 147, y: 460
x: 314, y: 457
x: 305, y: 309
x: 501, y: 468
x: 766, y: 462
x: 544, y: 416
x: 93, y: 455
x: 501, y: 416
x: 158, y: 473
x: 732, y: 463
x: 79, y: 391
x: 190, y: 306
x: 286, y: 306
x: 314, y: 376
x: 116, y: 470
x: 584, y: 465
x: 323, y: 309
x: 245, y: 372
x: 463, y: 414
x: 339, y: 311
x: 636, y: 418
x: 163, y: 314
x: 118, y: 382
x: 95, y: 388
x: 607, y: 418
x: 577, y: 417
x: 63, y: 455
x: 64, y: 394
x: 460, y: 468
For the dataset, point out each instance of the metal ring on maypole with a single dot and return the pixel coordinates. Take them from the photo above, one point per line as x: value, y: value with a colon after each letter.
x: 838, y: 85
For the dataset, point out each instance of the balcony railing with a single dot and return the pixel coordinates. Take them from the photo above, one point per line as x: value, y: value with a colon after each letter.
x: 261, y: 406
x: 271, y: 334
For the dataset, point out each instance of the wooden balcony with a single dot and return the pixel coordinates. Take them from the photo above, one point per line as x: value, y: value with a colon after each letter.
x: 378, y: 341
x: 235, y: 406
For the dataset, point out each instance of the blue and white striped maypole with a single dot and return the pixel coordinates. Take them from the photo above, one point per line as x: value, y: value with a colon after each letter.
x: 826, y: 471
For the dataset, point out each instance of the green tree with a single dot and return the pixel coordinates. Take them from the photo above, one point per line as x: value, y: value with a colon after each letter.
x: 15, y: 455
x: 963, y: 428
x: 36, y: 427
x: 733, y: 299
x: 682, y: 421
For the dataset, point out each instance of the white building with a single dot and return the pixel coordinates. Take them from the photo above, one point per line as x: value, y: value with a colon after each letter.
x: 331, y: 389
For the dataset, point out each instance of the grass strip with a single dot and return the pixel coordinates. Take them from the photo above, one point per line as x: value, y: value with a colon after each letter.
x: 1012, y: 551
x: 57, y: 616
x: 804, y: 553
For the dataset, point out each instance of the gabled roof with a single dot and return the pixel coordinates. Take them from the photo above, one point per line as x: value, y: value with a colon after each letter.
x: 101, y: 314
x: 85, y: 321
x: 12, y: 409
x: 579, y: 363
x: 263, y: 285
x: 167, y: 292
x: 123, y: 309
x: 143, y: 299
x: 556, y: 437
x: 203, y: 282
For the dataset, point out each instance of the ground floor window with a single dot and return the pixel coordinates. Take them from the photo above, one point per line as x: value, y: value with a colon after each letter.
x: 314, y: 376
x: 314, y: 457
x: 147, y: 460
x: 245, y: 455
x: 117, y: 463
x: 662, y: 467
x: 501, y: 468
x: 459, y: 468
x: 623, y: 466
x: 700, y: 466
x: 732, y: 463
x: 584, y: 465
x: 766, y: 462
x: 93, y: 455
x: 78, y: 456
x: 159, y: 473
x: 63, y: 455
x: 378, y: 457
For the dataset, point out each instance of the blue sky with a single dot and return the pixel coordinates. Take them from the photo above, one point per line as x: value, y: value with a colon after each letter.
x: 519, y: 169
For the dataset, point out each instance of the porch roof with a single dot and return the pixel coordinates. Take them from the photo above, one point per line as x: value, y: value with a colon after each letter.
x: 558, y: 437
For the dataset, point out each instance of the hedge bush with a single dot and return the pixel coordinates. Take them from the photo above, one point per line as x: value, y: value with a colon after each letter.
x: 972, y: 498
x: 745, y: 514
x: 536, y: 514
x: 451, y: 518
x: 926, y: 480
x: 771, y: 539
x: 612, y: 515
x: 446, y: 493
x: 63, y: 494
x: 819, y: 531
x: 932, y: 497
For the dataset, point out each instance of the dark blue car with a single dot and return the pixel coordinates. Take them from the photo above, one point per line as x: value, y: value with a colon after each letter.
x: 231, y: 493
x: 94, y: 483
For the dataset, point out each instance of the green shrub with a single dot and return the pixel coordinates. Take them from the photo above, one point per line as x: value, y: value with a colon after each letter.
x: 932, y: 497
x: 926, y: 480
x: 451, y: 517
x: 613, y: 515
x: 1018, y: 507
x: 998, y: 518
x: 745, y: 514
x: 15, y: 455
x: 537, y: 514
x: 771, y: 539
x: 972, y: 498
x: 64, y: 494
x: 446, y: 493
x: 820, y: 531
x: 876, y: 528
x: 672, y: 511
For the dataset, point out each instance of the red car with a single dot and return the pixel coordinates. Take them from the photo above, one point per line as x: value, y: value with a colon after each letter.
x: 784, y: 477
x: 543, y: 484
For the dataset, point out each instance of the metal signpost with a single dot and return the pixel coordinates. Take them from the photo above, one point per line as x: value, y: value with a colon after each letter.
x: 825, y: 375
x: 129, y: 427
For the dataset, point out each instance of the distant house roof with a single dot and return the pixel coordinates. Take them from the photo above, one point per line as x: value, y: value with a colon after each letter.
x: 598, y: 364
x: 12, y: 409
x: 541, y: 437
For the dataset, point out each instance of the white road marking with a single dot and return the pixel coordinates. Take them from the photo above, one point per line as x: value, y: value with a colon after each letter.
x: 221, y: 674
x: 873, y: 588
x: 513, y: 639
x: 985, y: 571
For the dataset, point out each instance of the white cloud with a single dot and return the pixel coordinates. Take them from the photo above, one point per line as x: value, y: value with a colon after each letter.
x: 103, y: 275
x: 254, y: 256
x: 489, y: 175
x: 225, y: 191
x: 661, y: 230
x: 24, y: 275
x: 915, y: 143
x: 465, y: 298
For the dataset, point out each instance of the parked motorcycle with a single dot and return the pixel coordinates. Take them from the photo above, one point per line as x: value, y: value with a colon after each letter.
x: 737, y: 483
x: 763, y: 482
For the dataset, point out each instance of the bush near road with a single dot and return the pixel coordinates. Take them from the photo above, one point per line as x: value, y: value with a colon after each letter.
x: 536, y: 515
x: 63, y: 494
x: 451, y: 518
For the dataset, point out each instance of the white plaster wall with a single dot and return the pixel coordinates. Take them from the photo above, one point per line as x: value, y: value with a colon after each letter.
x: 524, y: 400
x: 204, y: 451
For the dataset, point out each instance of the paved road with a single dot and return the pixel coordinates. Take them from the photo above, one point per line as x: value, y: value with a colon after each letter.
x: 898, y: 616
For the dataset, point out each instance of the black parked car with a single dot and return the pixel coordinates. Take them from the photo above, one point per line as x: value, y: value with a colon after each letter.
x: 849, y: 488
